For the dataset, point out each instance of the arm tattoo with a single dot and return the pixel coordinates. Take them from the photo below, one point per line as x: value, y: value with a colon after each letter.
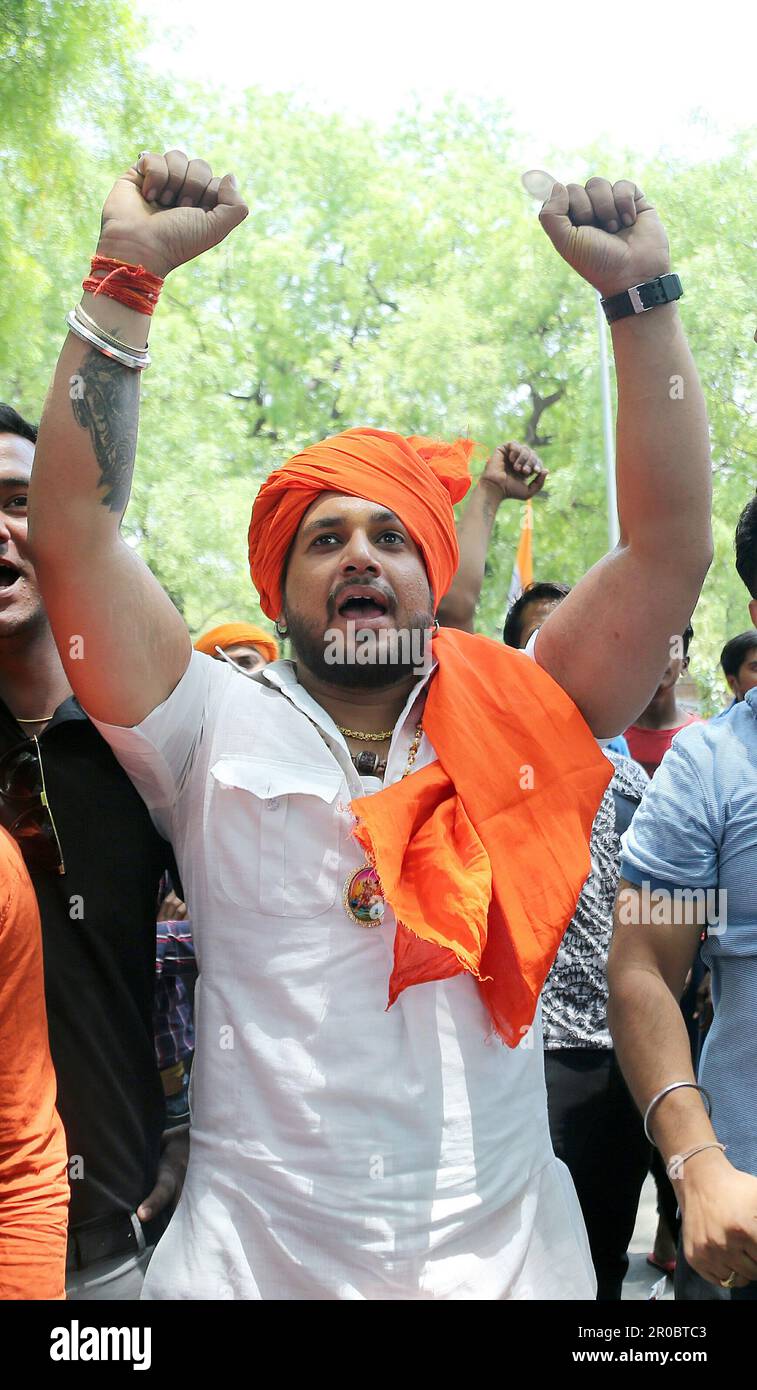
x: 107, y: 406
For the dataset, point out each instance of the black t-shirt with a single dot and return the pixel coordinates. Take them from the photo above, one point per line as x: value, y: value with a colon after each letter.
x: 98, y: 934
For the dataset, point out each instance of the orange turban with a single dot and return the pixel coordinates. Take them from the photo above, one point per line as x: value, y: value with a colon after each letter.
x: 229, y: 634
x: 417, y: 479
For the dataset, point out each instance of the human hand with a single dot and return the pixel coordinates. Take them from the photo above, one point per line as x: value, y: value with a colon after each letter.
x: 609, y: 233
x: 172, y: 909
x: 719, y: 1209
x: 166, y: 210
x: 172, y: 1168
x: 515, y: 471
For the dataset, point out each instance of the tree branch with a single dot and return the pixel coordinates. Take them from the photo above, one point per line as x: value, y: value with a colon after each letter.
x: 538, y: 406
x: 388, y: 303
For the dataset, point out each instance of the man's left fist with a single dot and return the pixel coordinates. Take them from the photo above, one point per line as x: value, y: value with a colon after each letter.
x: 515, y: 471
x: 609, y: 233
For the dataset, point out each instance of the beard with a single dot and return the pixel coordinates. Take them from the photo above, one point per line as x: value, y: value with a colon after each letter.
x: 384, y: 660
x: 25, y: 621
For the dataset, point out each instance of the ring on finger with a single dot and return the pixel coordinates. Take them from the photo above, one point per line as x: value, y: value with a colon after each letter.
x: 730, y: 1281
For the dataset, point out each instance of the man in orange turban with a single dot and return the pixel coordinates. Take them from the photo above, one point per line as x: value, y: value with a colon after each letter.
x: 246, y: 644
x: 393, y: 816
x: 465, y: 817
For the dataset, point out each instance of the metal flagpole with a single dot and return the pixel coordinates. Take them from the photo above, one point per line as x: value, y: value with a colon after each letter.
x: 613, y: 529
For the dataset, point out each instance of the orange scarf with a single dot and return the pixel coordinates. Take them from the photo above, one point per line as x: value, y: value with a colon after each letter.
x: 483, y: 854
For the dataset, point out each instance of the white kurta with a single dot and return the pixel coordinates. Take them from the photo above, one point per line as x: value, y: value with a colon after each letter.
x: 338, y: 1150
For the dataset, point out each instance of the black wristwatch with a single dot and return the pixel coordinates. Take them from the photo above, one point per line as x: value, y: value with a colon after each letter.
x: 639, y: 298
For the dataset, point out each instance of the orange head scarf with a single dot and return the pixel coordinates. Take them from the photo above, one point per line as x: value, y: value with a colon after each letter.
x: 482, y: 854
x: 418, y: 479
x: 229, y: 634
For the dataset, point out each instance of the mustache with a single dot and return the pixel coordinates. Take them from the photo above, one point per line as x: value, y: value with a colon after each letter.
x: 388, y: 595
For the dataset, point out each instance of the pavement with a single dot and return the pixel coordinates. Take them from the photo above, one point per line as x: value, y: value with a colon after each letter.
x: 641, y: 1278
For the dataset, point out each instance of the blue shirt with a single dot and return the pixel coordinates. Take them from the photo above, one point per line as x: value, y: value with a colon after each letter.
x: 697, y: 828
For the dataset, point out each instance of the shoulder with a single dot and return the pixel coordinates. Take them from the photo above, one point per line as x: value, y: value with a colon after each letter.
x: 705, y: 740
x: 206, y: 685
x: 512, y: 674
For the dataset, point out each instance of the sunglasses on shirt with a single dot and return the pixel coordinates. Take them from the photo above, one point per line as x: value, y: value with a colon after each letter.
x: 25, y: 809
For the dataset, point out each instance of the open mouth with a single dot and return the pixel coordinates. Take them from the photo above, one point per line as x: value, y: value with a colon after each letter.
x: 360, y: 606
x: 8, y: 574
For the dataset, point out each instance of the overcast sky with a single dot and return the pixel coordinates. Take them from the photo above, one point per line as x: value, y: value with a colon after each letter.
x: 633, y: 71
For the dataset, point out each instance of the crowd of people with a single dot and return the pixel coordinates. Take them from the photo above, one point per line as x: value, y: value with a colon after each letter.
x: 379, y: 970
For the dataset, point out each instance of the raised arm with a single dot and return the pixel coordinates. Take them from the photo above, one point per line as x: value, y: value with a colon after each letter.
x: 512, y: 473
x: 122, y: 642
x: 609, y: 641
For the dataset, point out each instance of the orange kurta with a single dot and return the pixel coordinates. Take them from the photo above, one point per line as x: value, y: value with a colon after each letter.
x: 33, y: 1178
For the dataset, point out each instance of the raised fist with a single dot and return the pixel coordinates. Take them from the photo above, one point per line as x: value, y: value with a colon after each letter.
x: 166, y: 210
x: 608, y: 232
x: 516, y: 471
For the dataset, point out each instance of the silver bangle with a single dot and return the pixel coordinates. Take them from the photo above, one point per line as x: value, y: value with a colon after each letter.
x: 674, y: 1169
x: 137, y: 360
x: 83, y: 317
x: 674, y: 1086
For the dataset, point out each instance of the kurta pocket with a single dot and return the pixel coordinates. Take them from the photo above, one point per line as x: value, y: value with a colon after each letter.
x: 273, y: 834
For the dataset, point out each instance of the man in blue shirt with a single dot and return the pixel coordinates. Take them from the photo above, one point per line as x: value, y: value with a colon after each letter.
x: 690, y: 864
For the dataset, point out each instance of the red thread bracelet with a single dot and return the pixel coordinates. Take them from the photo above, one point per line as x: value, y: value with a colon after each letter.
x: 130, y: 285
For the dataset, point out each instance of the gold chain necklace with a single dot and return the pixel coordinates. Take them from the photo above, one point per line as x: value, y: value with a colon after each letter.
x: 383, y: 737
x: 363, y: 896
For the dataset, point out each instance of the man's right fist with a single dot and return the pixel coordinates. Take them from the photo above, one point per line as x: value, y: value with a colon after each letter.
x: 166, y: 210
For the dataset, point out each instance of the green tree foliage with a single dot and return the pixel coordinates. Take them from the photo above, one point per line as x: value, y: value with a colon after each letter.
x: 72, y: 96
x: 397, y: 279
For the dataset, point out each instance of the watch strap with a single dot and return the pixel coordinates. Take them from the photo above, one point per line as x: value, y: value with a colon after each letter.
x: 638, y: 298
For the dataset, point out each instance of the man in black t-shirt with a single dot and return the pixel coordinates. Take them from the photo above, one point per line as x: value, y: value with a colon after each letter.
x: 95, y: 860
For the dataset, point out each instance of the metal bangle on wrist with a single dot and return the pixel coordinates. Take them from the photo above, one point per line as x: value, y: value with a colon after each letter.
x: 84, y: 318
x: 674, y: 1169
x: 674, y: 1086
x: 135, y: 358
